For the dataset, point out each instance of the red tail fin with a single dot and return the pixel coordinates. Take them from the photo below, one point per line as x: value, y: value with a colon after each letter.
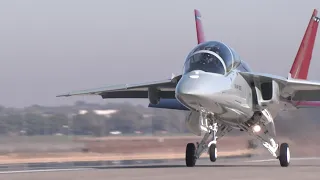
x: 300, y: 66
x: 199, y: 28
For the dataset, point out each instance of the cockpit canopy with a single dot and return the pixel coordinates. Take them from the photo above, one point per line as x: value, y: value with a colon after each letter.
x: 213, y: 57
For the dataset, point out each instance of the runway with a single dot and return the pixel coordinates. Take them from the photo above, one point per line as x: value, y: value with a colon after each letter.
x: 226, y: 169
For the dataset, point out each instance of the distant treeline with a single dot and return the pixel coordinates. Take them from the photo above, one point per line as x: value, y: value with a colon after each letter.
x: 40, y: 120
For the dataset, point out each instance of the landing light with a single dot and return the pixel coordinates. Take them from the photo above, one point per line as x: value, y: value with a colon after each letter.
x: 256, y: 128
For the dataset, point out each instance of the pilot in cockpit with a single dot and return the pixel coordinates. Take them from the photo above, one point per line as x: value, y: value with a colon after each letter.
x: 206, y: 62
x: 215, y: 49
x: 207, y: 58
x: 210, y: 60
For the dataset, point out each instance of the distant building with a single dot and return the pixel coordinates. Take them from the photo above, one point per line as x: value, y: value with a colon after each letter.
x: 115, y: 132
x: 106, y: 113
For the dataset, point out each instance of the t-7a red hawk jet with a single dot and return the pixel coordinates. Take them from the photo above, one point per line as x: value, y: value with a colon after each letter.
x: 222, y: 93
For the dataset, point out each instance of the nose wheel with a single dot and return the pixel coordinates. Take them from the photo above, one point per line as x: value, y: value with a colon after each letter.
x: 193, y: 152
x: 213, y: 152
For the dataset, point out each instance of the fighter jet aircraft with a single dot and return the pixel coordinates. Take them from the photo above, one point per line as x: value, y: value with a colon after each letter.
x: 221, y: 93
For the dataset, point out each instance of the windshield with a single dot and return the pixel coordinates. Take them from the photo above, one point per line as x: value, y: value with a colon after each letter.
x: 205, y: 61
x: 221, y: 50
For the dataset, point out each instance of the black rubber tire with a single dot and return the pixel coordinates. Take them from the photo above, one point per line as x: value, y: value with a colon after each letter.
x: 213, y: 152
x: 284, y: 157
x: 190, y: 155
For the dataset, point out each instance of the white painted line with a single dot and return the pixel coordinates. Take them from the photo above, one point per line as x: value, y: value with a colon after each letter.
x: 43, y: 170
x: 262, y: 160
x: 306, y: 158
x: 296, y: 159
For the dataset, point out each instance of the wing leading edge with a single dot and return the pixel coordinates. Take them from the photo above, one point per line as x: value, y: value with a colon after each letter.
x: 163, y: 91
x: 165, y: 87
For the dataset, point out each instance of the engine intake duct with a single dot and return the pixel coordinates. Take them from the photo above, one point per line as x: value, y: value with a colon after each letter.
x: 267, y: 93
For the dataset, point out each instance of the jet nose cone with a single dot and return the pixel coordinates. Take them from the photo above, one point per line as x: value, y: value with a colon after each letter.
x: 188, y: 87
x: 197, y: 89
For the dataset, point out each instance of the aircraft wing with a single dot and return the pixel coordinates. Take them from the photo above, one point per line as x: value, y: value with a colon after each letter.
x: 166, y: 89
x: 299, y: 92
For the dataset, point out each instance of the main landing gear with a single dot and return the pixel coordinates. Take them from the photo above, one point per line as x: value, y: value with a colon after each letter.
x: 211, y: 127
x: 284, y: 155
x: 191, y: 158
x: 190, y: 155
x: 281, y: 152
x: 208, y: 124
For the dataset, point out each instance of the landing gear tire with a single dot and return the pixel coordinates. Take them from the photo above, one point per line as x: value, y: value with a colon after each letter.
x: 190, y: 155
x: 284, y: 156
x: 213, y: 152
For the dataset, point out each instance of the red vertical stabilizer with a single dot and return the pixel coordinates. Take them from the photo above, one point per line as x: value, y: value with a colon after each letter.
x: 199, y: 28
x: 300, y: 66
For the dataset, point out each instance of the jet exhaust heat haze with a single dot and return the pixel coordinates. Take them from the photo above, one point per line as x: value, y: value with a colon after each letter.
x: 221, y: 93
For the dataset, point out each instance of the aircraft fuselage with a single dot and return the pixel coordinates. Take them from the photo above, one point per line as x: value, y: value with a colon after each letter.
x: 225, y: 96
x: 211, y: 83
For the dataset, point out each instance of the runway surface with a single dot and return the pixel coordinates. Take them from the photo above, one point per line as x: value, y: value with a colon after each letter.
x: 235, y: 169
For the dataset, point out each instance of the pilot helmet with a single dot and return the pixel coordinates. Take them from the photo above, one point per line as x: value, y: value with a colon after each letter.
x: 215, y: 49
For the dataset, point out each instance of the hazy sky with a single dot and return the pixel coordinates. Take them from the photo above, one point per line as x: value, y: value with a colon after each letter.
x: 52, y: 47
